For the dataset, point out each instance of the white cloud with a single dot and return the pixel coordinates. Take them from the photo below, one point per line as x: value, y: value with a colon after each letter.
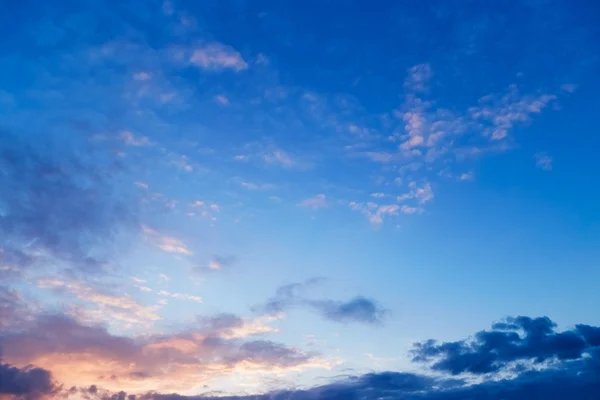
x: 217, y: 56
x: 316, y: 202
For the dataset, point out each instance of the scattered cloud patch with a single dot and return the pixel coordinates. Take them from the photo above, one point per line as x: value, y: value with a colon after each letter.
x: 316, y: 202
x: 130, y: 139
x: 164, y: 242
x: 218, y: 57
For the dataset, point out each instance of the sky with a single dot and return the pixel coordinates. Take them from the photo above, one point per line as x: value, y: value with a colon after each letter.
x: 299, y: 200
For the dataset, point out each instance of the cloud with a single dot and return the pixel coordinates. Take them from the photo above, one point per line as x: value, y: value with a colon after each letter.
x: 86, y: 355
x: 217, y: 263
x: 376, y: 213
x: 502, y: 113
x: 95, y: 306
x: 316, y: 202
x: 359, y: 309
x: 550, y: 365
x: 543, y: 161
x: 256, y: 186
x: 27, y: 383
x: 520, y: 339
x: 58, y: 205
x: 229, y: 326
x: 130, y: 139
x: 278, y: 157
x: 418, y: 77
x: 222, y: 100
x: 142, y: 76
x: 165, y: 243
x: 180, y: 296
x: 218, y: 57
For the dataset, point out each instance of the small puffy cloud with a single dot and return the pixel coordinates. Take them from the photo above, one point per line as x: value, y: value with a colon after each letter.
x: 316, y: 202
x: 543, y: 161
x: 378, y: 195
x: 217, y: 57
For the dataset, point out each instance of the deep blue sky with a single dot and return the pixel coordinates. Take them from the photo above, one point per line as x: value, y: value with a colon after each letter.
x: 245, y: 196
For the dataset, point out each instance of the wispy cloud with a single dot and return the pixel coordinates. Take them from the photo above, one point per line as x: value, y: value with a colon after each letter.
x: 180, y: 296
x: 543, y: 161
x: 358, y: 309
x: 102, y: 306
x: 130, y: 139
x: 316, y: 202
x: 222, y: 100
x: 164, y: 242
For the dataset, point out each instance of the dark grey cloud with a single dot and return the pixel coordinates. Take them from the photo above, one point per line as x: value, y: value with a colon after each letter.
x: 357, y: 309
x: 25, y: 383
x: 516, y: 339
x: 59, y: 201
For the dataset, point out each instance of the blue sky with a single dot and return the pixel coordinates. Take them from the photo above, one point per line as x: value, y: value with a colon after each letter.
x: 243, y: 197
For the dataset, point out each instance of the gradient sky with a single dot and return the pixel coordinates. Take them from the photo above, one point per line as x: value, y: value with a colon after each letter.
x: 243, y: 197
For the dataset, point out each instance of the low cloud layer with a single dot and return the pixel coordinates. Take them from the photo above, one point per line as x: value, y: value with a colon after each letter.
x: 89, y: 354
x: 568, y: 371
